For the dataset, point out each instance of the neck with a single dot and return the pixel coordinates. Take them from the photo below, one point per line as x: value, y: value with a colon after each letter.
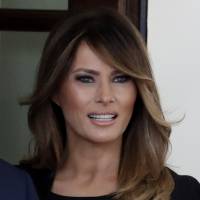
x: 92, y: 160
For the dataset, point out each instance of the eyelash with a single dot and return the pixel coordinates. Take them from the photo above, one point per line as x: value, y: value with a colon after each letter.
x: 89, y: 79
x: 84, y: 79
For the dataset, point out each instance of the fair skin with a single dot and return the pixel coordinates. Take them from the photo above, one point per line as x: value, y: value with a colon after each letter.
x: 93, y: 87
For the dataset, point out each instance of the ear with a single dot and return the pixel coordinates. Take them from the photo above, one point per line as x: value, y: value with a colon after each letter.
x: 55, y: 99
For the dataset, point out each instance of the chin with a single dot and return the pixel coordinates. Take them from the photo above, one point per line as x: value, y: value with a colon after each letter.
x: 104, y: 138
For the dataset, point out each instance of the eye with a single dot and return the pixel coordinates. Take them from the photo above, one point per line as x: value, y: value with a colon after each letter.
x: 122, y: 79
x: 85, y: 79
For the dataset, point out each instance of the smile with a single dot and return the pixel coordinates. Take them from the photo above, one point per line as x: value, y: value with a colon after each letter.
x: 102, y: 116
x: 102, y: 119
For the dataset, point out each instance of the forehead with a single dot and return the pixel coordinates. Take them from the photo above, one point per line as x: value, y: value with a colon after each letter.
x: 87, y: 58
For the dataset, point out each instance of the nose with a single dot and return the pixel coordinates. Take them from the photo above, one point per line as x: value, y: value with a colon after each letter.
x: 105, y: 94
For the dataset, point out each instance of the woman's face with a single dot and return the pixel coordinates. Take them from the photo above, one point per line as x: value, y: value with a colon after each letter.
x: 97, y: 100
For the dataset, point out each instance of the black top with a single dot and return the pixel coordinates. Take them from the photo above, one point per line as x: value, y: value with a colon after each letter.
x: 186, y: 187
x: 53, y: 196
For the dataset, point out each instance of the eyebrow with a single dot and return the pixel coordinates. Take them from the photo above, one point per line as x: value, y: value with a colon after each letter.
x: 94, y: 72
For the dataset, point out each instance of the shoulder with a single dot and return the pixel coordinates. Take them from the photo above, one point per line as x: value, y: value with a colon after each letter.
x: 186, y: 187
x: 8, y: 171
x: 15, y: 183
x: 42, y: 179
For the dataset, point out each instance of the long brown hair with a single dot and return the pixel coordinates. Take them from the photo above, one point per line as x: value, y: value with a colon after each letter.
x: 142, y: 171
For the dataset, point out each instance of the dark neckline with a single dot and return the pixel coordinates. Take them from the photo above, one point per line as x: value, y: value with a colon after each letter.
x: 99, y: 197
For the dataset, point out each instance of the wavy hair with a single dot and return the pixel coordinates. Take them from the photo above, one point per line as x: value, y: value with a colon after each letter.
x: 142, y: 172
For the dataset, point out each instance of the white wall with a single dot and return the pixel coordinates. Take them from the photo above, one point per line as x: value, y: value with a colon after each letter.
x: 174, y: 45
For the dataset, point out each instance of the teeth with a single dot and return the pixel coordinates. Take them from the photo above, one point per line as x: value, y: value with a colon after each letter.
x: 102, y: 117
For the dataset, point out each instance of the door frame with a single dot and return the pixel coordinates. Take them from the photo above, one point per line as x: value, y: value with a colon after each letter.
x: 43, y: 20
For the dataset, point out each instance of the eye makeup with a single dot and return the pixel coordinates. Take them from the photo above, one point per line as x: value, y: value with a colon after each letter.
x: 122, y: 78
x: 84, y: 78
x: 90, y: 79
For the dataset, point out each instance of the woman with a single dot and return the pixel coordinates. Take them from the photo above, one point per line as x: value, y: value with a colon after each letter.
x: 96, y: 118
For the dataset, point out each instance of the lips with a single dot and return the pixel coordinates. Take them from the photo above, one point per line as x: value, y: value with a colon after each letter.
x: 103, y: 115
x: 103, y: 118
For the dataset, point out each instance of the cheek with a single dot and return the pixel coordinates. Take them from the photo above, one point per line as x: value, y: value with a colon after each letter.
x: 74, y: 99
x: 72, y: 104
x: 127, y: 98
x: 127, y: 102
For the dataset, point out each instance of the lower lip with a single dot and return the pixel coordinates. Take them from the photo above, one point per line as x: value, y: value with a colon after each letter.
x: 102, y: 123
